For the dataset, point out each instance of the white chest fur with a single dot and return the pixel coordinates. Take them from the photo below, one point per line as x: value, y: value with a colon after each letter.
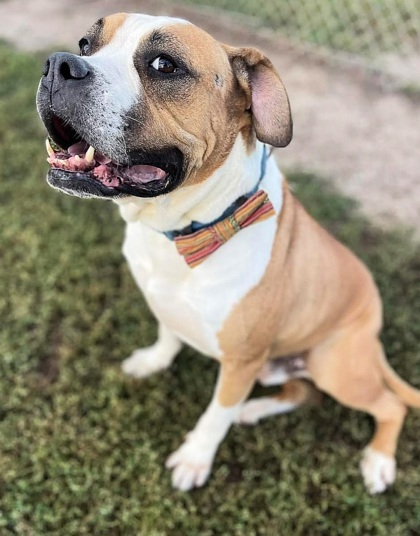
x: 194, y: 302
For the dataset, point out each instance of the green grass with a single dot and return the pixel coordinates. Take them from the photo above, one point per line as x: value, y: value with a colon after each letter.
x: 82, y: 447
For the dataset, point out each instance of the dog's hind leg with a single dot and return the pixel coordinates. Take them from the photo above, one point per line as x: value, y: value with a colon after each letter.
x: 146, y: 361
x: 294, y: 393
x: 347, y: 368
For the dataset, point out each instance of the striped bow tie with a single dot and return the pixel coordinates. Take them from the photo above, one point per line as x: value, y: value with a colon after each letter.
x: 197, y: 246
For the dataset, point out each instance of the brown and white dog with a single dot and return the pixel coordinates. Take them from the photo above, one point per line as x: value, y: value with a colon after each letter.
x: 172, y: 125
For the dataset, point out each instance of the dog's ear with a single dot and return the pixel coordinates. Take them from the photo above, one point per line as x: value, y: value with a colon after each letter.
x: 266, y: 96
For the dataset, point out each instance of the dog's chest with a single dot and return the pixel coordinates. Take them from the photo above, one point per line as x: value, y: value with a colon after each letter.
x: 195, y: 302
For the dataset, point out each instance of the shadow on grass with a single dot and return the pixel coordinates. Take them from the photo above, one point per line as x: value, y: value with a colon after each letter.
x: 82, y: 447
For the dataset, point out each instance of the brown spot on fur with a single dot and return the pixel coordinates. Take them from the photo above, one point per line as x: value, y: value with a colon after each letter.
x: 111, y: 25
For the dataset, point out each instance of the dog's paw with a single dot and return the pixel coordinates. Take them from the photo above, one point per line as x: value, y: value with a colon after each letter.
x: 251, y: 412
x: 144, y: 362
x: 378, y: 470
x: 254, y: 410
x: 191, y: 465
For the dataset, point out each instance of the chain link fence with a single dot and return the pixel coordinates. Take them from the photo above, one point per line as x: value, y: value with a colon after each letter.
x: 382, y: 33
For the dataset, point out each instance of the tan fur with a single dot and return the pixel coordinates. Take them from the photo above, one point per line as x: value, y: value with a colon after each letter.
x: 311, y: 288
x: 267, y: 103
x: 111, y: 25
x: 206, y: 129
x: 215, y: 103
x: 317, y: 297
x: 222, y: 133
x: 406, y: 392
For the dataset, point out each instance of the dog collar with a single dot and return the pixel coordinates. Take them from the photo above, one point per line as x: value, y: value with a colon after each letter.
x: 198, y: 240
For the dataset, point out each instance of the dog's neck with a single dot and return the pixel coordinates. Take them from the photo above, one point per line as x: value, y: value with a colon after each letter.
x: 202, y: 202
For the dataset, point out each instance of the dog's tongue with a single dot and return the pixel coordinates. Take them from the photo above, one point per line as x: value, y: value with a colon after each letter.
x: 78, y: 148
x: 139, y: 173
x: 144, y: 174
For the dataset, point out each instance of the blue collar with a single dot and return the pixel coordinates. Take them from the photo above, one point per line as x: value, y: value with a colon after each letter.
x: 197, y: 226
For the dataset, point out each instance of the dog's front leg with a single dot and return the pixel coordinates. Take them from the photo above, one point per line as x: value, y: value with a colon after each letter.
x: 192, y: 462
x: 146, y: 361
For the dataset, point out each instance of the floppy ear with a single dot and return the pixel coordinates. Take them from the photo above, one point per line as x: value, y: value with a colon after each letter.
x: 266, y: 96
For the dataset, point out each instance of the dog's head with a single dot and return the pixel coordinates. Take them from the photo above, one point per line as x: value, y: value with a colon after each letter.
x: 153, y: 103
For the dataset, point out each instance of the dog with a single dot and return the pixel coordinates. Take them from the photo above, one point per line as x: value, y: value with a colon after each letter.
x: 175, y: 128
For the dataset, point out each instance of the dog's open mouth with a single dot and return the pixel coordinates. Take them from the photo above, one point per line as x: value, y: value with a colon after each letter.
x: 77, y: 168
x: 82, y: 158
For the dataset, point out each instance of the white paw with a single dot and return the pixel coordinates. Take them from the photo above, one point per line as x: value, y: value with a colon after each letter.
x: 191, y: 465
x: 378, y: 470
x: 258, y: 408
x: 144, y: 362
x: 250, y: 413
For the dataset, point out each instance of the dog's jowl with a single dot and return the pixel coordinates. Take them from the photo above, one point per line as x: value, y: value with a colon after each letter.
x: 176, y: 129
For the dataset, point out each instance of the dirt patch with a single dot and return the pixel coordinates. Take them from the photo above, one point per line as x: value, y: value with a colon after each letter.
x: 364, y: 139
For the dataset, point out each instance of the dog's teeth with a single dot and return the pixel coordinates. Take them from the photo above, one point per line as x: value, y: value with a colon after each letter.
x: 90, y: 154
x: 77, y: 159
x: 50, y: 150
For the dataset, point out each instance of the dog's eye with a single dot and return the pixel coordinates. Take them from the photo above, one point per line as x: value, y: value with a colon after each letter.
x: 84, y: 46
x: 164, y: 65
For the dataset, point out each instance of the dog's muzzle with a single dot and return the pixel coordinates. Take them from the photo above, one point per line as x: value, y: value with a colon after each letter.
x: 88, y: 157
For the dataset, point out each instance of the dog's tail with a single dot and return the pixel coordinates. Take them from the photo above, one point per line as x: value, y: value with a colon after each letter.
x: 408, y: 394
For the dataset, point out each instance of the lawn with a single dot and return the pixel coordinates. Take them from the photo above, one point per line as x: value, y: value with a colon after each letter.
x: 82, y: 447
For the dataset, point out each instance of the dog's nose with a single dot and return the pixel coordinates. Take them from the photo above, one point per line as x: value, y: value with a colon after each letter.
x: 63, y: 66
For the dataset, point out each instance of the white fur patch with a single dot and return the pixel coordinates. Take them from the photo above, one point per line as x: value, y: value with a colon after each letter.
x: 146, y: 361
x: 274, y: 373
x: 192, y: 462
x: 259, y: 408
x: 193, y: 303
x: 270, y: 375
x: 117, y: 86
x: 378, y: 470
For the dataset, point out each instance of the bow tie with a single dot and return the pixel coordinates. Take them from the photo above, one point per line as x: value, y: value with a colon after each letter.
x: 197, y: 246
